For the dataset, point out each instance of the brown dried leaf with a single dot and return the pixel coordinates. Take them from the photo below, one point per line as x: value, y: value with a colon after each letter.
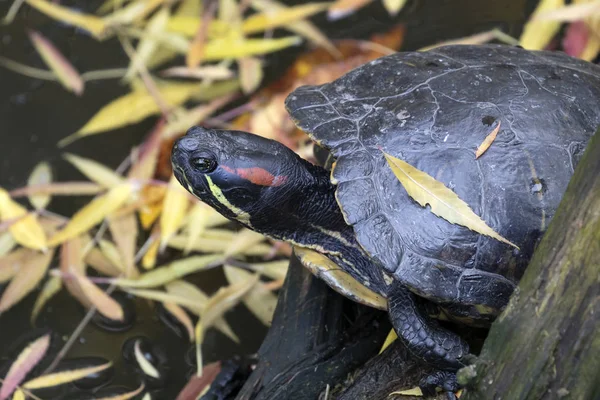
x: 60, y: 378
x: 25, y: 362
x: 195, y: 53
x: 62, y: 68
x: 32, y: 271
x: 41, y: 175
x: 105, y: 304
x: 487, y: 142
x: 71, y: 263
x: 444, y: 203
x: 51, y: 287
x: 251, y: 74
x: 26, y: 230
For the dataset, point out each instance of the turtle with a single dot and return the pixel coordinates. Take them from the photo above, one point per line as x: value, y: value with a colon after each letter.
x: 355, y: 225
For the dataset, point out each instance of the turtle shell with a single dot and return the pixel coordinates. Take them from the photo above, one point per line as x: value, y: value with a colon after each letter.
x: 433, y: 109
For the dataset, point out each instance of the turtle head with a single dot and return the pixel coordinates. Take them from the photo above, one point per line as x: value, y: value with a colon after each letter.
x: 243, y: 176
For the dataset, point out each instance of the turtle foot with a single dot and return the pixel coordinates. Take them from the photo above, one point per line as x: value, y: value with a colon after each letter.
x: 443, y: 380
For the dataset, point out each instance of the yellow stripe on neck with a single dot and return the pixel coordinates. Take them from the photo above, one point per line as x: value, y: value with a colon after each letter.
x: 241, y: 215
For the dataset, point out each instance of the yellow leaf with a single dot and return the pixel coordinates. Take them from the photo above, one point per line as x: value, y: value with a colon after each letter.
x: 175, y: 270
x: 182, y: 122
x: 18, y: 395
x: 95, y: 171
x: 393, y: 7
x: 133, y: 107
x: 52, y: 286
x: 281, y: 17
x: 58, y: 64
x: 94, y: 212
x: 111, y: 253
x: 213, y: 72
x: 90, y: 23
x: 174, y: 208
x: 219, y: 49
x: 11, y: 263
x: 133, y: 12
x: 537, y: 35
x: 180, y: 314
x: 391, y: 337
x: 144, y: 364
x: 273, y: 269
x: 342, y: 8
x: 259, y: 300
x: 26, y: 360
x: 569, y: 13
x: 487, y: 142
x: 242, y: 241
x: 41, y: 175
x: 147, y: 44
x: 159, y: 295
x: 105, y: 304
x: 7, y: 243
x: 60, y: 378
x: 196, y: 225
x: 125, y: 396
x: 149, y: 259
x: 478, y: 38
x: 26, y: 230
x: 96, y: 259
x: 144, y: 166
x: 63, y: 188
x: 444, y: 202
x: 416, y: 391
x: 30, y: 273
x: 251, y: 74
x: 206, y: 244
x: 124, y: 231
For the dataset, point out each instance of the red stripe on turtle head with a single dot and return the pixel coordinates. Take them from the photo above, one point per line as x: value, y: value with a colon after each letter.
x: 257, y: 175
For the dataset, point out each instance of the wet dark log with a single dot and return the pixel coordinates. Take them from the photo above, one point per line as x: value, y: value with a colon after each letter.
x: 546, y: 343
x: 317, y: 339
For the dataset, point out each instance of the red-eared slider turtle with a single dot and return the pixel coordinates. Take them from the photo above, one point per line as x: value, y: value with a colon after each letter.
x: 432, y: 110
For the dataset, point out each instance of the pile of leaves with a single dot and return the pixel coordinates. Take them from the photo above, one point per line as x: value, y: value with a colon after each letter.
x: 214, y: 57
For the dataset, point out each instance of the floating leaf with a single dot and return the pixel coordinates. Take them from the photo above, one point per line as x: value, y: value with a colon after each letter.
x: 144, y: 364
x: 342, y: 8
x: 213, y: 72
x: 11, y: 263
x: 25, y: 362
x: 95, y: 171
x: 62, y: 68
x: 207, y: 244
x: 196, y: 385
x: 96, y: 26
x: 125, y: 396
x: 71, y: 263
x: 259, y: 300
x: 133, y: 107
x: 181, y: 316
x: 26, y: 230
x: 195, y: 53
x: 251, y: 74
x: 101, y: 263
x: 60, y: 378
x: 30, y: 273
x: 242, y: 241
x: 536, y: 35
x: 478, y: 38
x: 174, y: 270
x: 105, y: 304
x: 145, y: 165
x: 487, y: 142
x: 18, y: 395
x: 110, y: 251
x: 280, y: 18
x: 182, y: 121
x: 416, y: 391
x: 196, y: 225
x: 391, y: 337
x: 124, y: 230
x: 273, y: 269
x: 569, y: 13
x: 393, y: 7
x: 174, y: 209
x: 94, y: 212
x: 444, y: 202
x: 41, y: 175
x: 163, y: 297
x: 7, y: 243
x: 149, y: 259
x: 62, y: 188
x: 227, y: 48
x: 52, y: 286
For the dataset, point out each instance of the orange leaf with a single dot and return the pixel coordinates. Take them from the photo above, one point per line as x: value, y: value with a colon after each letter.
x: 487, y: 142
x: 105, y: 304
x: 62, y: 68
x: 25, y: 362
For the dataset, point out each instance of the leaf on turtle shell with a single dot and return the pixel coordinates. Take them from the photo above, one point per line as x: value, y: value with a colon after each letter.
x: 444, y: 203
x: 487, y: 142
x: 60, y: 378
x: 41, y: 175
x: 537, y: 34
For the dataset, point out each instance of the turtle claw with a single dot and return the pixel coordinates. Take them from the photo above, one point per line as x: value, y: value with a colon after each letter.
x: 441, y: 379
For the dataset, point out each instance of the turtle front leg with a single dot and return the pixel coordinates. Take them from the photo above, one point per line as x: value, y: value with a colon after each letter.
x: 425, y: 338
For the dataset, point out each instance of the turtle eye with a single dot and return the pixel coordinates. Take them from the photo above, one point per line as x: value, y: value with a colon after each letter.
x: 204, y: 163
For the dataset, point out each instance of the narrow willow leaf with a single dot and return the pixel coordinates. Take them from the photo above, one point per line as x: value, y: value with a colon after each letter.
x: 196, y: 224
x: 181, y: 122
x: 251, y: 74
x: 159, y: 295
x: 181, y: 316
x: 124, y: 231
x: 259, y: 300
x: 7, y: 243
x: 62, y: 68
x: 391, y: 337
x: 273, y: 269
x: 96, y: 26
x: 51, y: 287
x: 570, y: 13
x: 487, y: 142
x: 144, y: 364
x: 62, y: 188
x: 243, y: 240
x: 148, y: 44
x: 195, y: 52
x: 94, y: 212
x: 71, y: 263
x: 11, y: 263
x: 478, y: 38
x: 342, y: 8
x: 125, y: 396
x: 60, y: 378
x: 393, y: 7
x: 105, y: 304
x: 145, y: 166
x: 206, y: 245
x: 280, y: 18
x: 26, y: 230
x: 537, y: 35
x: 25, y: 362
x: 132, y: 13
x: 96, y: 259
x: 110, y: 251
x: 174, y: 210
x: 226, y: 48
x: 175, y: 270
x: 149, y: 258
x: 133, y: 107
x: 416, y: 391
x: 95, y: 171
x: 444, y: 202
x: 31, y: 273
x: 18, y: 395
x: 41, y: 175
x: 213, y: 72
x: 189, y: 25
